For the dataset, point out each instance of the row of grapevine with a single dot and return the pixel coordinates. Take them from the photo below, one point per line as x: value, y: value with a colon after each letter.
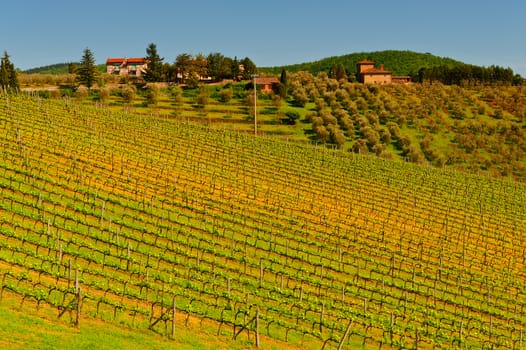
x: 145, y: 211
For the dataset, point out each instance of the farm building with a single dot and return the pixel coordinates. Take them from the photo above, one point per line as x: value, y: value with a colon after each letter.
x: 368, y: 74
x: 266, y: 84
x: 126, y: 66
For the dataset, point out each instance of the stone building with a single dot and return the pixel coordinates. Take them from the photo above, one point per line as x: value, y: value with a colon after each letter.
x: 127, y: 66
x: 367, y: 73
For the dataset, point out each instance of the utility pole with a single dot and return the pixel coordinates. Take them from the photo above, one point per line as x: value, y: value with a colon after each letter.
x: 255, y: 105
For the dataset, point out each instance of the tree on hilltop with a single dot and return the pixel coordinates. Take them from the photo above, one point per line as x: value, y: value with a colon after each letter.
x: 182, y: 65
x: 219, y: 66
x: 154, y: 71
x: 87, y: 71
x: 249, y: 68
x: 8, y: 75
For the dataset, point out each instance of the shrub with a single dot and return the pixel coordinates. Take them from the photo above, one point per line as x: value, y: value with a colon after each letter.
x: 292, y: 116
x: 81, y: 93
x: 225, y: 95
x: 202, y: 96
x: 128, y: 93
x: 300, y: 97
x: 104, y: 95
x: 152, y: 94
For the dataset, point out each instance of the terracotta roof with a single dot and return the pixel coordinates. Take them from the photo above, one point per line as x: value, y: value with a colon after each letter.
x: 376, y: 71
x: 267, y: 80
x: 126, y: 60
x: 115, y: 60
x: 136, y: 60
x: 365, y: 62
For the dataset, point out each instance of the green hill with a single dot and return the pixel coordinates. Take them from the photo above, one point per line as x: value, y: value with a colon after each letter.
x: 58, y: 68
x: 149, y: 223
x: 399, y: 62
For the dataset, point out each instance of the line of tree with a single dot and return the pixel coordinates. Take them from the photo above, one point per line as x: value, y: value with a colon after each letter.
x: 189, y: 69
x: 468, y: 74
x: 8, y: 74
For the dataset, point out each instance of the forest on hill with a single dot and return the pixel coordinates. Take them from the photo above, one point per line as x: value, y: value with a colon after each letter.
x: 398, y: 61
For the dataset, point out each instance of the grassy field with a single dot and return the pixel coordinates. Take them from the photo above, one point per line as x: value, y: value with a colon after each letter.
x: 115, y: 218
x: 22, y: 330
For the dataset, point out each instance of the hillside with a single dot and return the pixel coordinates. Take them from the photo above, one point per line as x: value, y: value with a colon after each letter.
x: 121, y: 218
x: 397, y: 61
x: 475, y: 128
x: 58, y: 68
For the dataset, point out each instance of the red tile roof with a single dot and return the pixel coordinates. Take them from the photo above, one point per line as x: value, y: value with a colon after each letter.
x: 126, y: 60
x: 365, y: 62
x: 136, y: 60
x: 115, y: 60
x: 376, y: 71
x: 267, y: 80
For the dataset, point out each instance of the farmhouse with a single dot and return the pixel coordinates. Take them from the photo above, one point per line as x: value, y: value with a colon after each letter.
x: 126, y: 66
x: 266, y: 84
x: 368, y: 74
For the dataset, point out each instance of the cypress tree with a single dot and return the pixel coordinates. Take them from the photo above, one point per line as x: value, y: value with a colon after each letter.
x: 87, y: 71
x: 283, y: 77
x: 8, y: 75
x: 154, y: 72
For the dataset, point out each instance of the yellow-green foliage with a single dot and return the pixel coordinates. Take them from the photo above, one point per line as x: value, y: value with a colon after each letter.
x: 147, y: 212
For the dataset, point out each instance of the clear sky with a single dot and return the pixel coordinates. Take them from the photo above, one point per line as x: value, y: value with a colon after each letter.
x: 270, y: 32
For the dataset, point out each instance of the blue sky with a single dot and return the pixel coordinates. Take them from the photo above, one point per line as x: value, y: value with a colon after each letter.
x: 270, y: 32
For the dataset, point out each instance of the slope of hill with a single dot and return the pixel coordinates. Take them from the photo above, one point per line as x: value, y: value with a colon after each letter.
x: 399, y: 62
x: 58, y: 68
x: 127, y: 218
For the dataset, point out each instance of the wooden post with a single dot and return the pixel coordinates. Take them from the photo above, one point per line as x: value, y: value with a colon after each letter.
x: 102, y: 212
x: 128, y: 258
x: 69, y: 272
x: 257, y: 327
x: 339, y: 259
x: 260, y: 272
x: 321, y: 316
x: 76, y: 280
x: 174, y: 311
x: 79, y: 299
x: 287, y: 252
x: 340, y: 346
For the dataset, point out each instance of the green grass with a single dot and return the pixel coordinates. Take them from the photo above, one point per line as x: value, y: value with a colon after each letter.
x: 22, y: 330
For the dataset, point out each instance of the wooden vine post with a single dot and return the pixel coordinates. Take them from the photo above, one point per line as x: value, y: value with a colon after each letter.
x: 257, y: 327
x: 79, y: 300
x: 174, y: 311
x: 345, y: 335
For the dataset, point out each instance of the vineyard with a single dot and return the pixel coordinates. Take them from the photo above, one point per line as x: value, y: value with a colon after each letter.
x: 151, y: 223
